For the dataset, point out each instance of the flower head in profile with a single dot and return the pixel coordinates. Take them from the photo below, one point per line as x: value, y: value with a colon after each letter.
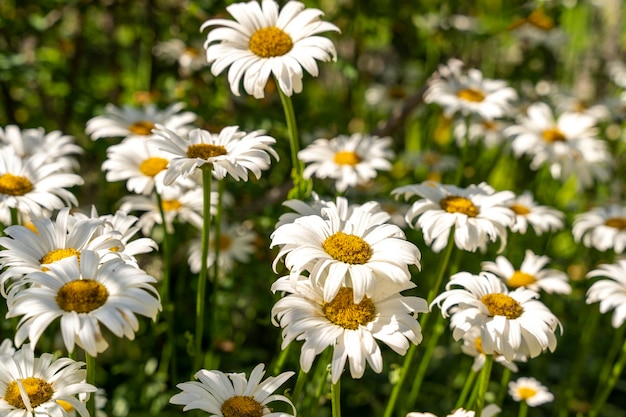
x: 31, y: 387
x: 84, y: 294
x: 230, y: 152
x: 468, y: 92
x: 531, y: 391
x: 528, y: 212
x: 531, y: 274
x: 610, y: 291
x: 359, y: 251
x: 349, y: 160
x: 351, y: 328
x: 264, y: 41
x: 232, y: 395
x: 511, y: 323
x: 602, y: 228
x: 476, y: 214
x: 130, y: 121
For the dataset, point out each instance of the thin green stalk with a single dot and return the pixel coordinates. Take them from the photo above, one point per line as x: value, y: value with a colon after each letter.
x: 277, y: 367
x: 207, y: 176
x: 310, y: 405
x: 504, y: 385
x: 297, y: 392
x: 523, y: 409
x: 301, y: 187
x: 217, y: 234
x: 91, y: 379
x: 605, y: 387
x: 467, y: 385
x: 15, y: 217
x: 335, y: 394
x: 483, y: 384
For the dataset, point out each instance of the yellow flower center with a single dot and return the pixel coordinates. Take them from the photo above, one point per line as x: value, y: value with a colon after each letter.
x: 540, y: 20
x: 347, y: 248
x: 343, y: 312
x: 193, y: 52
x: 242, y: 406
x: 478, y: 344
x: 502, y: 305
x: 31, y: 226
x: 526, y: 392
x: 269, y: 42
x: 14, y: 184
x: 66, y: 406
x: 471, y: 94
x: 616, y: 222
x: 456, y: 204
x: 82, y: 296
x: 519, y: 209
x: 553, y: 135
x: 521, y: 279
x: 38, y: 390
x: 171, y: 205
x: 225, y: 242
x: 347, y: 158
x: 141, y: 127
x: 58, y: 254
x: 205, y: 151
x: 152, y: 166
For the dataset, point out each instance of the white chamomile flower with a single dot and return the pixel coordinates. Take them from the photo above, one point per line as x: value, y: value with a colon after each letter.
x: 531, y: 274
x: 190, y: 57
x: 472, y: 346
x: 83, y: 294
x: 130, y: 121
x: 538, y: 29
x: 33, y: 387
x: 350, y: 160
x: 611, y: 291
x: 479, y: 131
x: 511, y: 323
x: 602, y: 228
x: 489, y: 410
x: 528, y: 212
x: 531, y: 391
x: 358, y: 251
x: 232, y: 395
x: 236, y: 245
x: 231, y: 151
x: 264, y: 41
x: 468, y: 92
x: 477, y: 214
x: 351, y: 328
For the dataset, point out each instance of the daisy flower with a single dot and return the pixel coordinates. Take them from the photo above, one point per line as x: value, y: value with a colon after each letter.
x: 138, y: 162
x: 530, y: 391
x: 359, y: 251
x: 472, y: 346
x: 35, y: 185
x: 190, y: 58
x: 432, y: 162
x: 229, y: 152
x: 511, y: 323
x: 236, y: 245
x: 479, y: 131
x: 130, y: 121
x: 528, y: 212
x: 83, y: 295
x: 488, y: 411
x: 532, y: 274
x: 566, y: 143
x: 264, y: 41
x: 349, y: 160
x: 538, y: 29
x: 350, y: 327
x: 477, y: 214
x: 602, y: 228
x: 31, y: 387
x: 468, y: 92
x: 610, y: 292
x: 231, y: 394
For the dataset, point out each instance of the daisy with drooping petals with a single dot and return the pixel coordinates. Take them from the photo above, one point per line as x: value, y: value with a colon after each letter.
x: 264, y: 41
x: 531, y: 391
x: 528, y: 212
x: 350, y: 327
x: 229, y: 152
x: 231, y: 395
x: 83, y: 294
x: 32, y: 387
x: 477, y: 213
x: 602, y: 228
x: 511, y: 323
x: 349, y: 160
x: 129, y: 121
x: 532, y: 274
x: 360, y: 251
x: 468, y: 92
x: 610, y: 292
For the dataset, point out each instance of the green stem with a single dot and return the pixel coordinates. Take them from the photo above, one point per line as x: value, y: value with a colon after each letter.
x: 91, y: 379
x: 207, y: 176
x: 217, y: 233
x: 467, y: 385
x: 523, y: 409
x: 301, y: 187
x: 15, y: 218
x: 605, y: 387
x: 504, y: 385
x: 483, y: 384
x: 335, y: 393
x: 280, y: 360
x: 297, y: 392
